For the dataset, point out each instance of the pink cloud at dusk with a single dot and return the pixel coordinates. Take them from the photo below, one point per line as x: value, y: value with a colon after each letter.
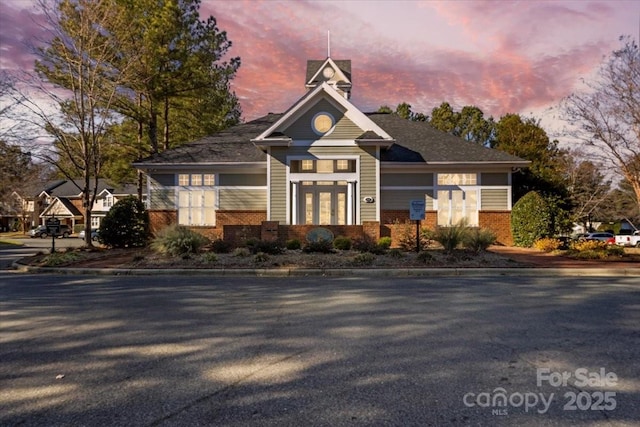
x: 501, y: 56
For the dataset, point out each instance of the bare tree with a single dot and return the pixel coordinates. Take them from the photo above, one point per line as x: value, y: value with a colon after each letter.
x: 79, y: 83
x: 605, y: 117
x: 588, y: 189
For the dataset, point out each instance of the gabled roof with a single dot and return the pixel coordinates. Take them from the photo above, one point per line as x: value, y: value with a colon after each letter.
x: 315, y: 66
x: 71, y: 188
x: 228, y: 146
x: 323, y: 90
x: 66, y: 204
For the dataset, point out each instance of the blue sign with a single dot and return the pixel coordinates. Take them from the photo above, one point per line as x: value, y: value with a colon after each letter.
x: 417, y: 209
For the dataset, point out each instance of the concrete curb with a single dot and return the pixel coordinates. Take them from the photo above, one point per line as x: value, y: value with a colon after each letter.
x: 329, y: 272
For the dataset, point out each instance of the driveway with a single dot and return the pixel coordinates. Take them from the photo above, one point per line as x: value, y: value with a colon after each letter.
x: 28, y: 247
x: 181, y: 351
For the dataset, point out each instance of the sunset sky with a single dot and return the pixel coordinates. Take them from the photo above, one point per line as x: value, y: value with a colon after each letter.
x: 502, y: 56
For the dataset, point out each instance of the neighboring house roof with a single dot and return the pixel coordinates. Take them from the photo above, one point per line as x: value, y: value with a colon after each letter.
x: 67, y: 208
x: 69, y: 189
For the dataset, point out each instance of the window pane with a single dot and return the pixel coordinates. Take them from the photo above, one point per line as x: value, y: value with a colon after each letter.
x: 196, y: 216
x: 457, y: 179
x: 209, y: 216
x: 342, y: 165
x: 209, y: 199
x: 308, y: 208
x: 471, y: 205
x: 457, y: 207
x: 324, y: 166
x: 183, y: 179
x: 341, y: 217
x: 183, y: 199
x: 196, y: 179
x: 325, y: 208
x: 307, y: 165
x: 209, y: 179
x: 443, y: 207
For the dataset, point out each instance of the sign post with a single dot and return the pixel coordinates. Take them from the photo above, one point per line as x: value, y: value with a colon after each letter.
x: 417, y: 213
x: 53, y: 228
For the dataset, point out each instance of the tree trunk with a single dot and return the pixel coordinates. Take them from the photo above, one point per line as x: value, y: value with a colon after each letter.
x: 166, y: 123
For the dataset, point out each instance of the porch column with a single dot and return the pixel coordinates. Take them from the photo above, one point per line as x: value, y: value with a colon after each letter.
x: 294, y: 202
x: 350, y: 209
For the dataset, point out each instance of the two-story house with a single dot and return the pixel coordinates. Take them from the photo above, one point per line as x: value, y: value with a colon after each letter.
x: 63, y: 199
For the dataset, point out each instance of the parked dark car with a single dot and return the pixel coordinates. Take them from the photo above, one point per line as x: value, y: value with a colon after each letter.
x: 94, y: 234
x: 42, y: 231
x: 601, y: 236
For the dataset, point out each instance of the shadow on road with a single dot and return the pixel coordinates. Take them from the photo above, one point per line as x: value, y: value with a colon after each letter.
x: 315, y: 351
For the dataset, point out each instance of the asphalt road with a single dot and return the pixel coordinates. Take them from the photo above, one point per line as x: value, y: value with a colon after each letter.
x: 177, y: 351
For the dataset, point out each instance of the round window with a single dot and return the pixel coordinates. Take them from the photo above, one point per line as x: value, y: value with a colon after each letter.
x: 322, y: 123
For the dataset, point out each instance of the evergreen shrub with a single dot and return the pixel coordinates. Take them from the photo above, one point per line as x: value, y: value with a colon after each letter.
x: 342, y: 243
x: 126, y: 224
x: 531, y: 219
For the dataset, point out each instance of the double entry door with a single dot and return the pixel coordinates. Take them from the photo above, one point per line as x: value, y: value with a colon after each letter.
x: 323, y: 203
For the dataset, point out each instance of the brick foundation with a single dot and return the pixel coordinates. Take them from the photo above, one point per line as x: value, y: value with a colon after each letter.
x: 161, y: 219
x: 396, y: 223
x: 240, y: 218
x: 239, y: 226
x: 238, y: 234
x: 500, y: 223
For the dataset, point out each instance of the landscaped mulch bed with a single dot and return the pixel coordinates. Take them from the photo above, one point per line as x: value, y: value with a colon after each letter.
x: 496, y: 257
x: 147, y: 259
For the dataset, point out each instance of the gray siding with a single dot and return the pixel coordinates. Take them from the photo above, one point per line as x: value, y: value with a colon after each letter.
x: 162, y: 195
x: 302, y: 128
x: 242, y: 180
x: 399, y: 199
x: 278, y: 185
x: 165, y: 179
x: 406, y: 180
x: 494, y: 199
x: 367, y: 180
x: 494, y: 179
x: 368, y: 183
x: 241, y: 199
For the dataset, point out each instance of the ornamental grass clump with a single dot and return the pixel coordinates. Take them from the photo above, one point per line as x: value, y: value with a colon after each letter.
x: 260, y: 257
x: 364, y: 258
x: 208, y: 258
x: 60, y: 258
x: 478, y: 239
x: 451, y: 237
x: 177, y: 240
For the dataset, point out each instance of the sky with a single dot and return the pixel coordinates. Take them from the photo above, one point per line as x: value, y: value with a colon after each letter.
x: 502, y: 56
